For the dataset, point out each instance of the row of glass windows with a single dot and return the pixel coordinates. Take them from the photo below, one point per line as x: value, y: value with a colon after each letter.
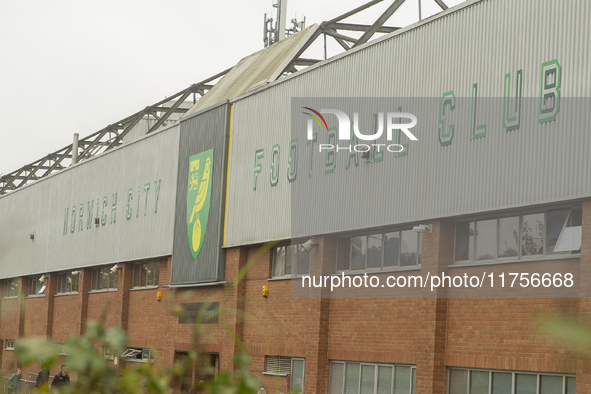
x: 102, y: 278
x: 348, y: 377
x: 372, y: 252
x: 550, y: 232
x: 291, y: 260
x: 466, y: 381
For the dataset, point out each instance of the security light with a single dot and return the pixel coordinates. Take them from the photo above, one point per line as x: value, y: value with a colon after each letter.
x: 308, y: 245
x: 422, y: 227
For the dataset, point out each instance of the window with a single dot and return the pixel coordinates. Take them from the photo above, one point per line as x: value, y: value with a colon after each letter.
x: 10, y: 288
x: 288, y: 366
x: 9, y: 344
x: 290, y: 260
x: 347, y: 377
x: 146, y: 274
x: 518, y: 236
x: 103, y: 279
x: 464, y: 381
x: 108, y: 352
x: 67, y: 282
x: 36, y: 285
x: 379, y: 251
x: 138, y: 354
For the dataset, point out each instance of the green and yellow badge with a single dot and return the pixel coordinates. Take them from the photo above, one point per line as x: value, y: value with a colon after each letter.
x: 198, y: 195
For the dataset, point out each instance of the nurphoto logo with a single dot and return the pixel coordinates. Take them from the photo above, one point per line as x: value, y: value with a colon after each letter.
x: 392, y: 120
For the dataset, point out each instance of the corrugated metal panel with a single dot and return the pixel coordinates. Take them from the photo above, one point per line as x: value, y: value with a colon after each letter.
x: 256, y: 70
x: 139, y: 179
x: 479, y: 43
x: 200, y: 133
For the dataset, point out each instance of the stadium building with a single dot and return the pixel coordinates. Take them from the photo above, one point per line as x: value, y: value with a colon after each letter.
x: 386, y: 265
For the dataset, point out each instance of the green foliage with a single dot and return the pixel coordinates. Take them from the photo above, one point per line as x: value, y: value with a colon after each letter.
x: 98, y: 375
x: 575, y: 333
x: 95, y: 374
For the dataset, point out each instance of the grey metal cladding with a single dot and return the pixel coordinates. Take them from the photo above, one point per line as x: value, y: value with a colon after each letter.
x: 479, y: 43
x: 128, y: 191
x: 200, y: 133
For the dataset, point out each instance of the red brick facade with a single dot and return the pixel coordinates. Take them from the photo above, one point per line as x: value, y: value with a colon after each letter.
x: 431, y: 333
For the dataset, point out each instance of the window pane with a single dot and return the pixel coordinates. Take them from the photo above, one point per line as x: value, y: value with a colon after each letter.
x: 575, y: 219
x: 279, y: 261
x: 113, y: 280
x: 569, y: 240
x: 391, y: 249
x: 352, y: 379
x: 374, y: 251
x: 344, y: 253
x: 550, y: 384
x: 303, y: 262
x: 104, y: 278
x: 384, y: 380
x: 358, y: 252
x: 337, y: 376
x: 156, y: 273
x: 409, y: 243
x: 465, y: 241
x: 414, y: 379
x: 570, y: 385
x: 532, y: 234
x: 458, y: 382
x: 290, y: 258
x: 402, y: 380
x: 525, y: 384
x: 297, y: 375
x: 509, y: 236
x: 486, y: 239
x: 368, y: 375
x: 501, y: 383
x: 143, y: 277
x: 555, y: 221
x: 479, y: 382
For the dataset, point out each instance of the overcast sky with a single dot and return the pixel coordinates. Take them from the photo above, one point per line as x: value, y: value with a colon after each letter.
x: 71, y: 66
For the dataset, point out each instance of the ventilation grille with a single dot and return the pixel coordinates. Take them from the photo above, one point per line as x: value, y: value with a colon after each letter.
x: 279, y: 365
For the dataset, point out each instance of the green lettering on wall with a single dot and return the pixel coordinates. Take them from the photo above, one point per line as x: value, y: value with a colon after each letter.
x: 129, y: 210
x: 89, y: 210
x: 330, y: 161
x: 311, y: 153
x: 146, y: 192
x: 258, y: 167
x: 512, y: 114
x: 292, y: 161
x: 476, y: 131
x: 156, y: 194
x: 274, y: 170
x: 550, y: 91
x: 446, y: 130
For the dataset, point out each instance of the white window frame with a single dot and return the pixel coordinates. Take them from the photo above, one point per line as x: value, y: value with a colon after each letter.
x: 513, y: 378
x: 520, y: 257
x: 137, y: 267
x: 10, y: 344
x: 291, y: 376
x: 382, y: 268
x: 376, y: 366
x: 134, y: 351
x: 70, y: 278
x: 39, y: 287
x: 8, y: 284
x: 96, y: 275
x: 294, y: 265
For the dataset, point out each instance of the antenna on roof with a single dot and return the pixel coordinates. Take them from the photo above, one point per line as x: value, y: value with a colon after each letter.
x: 275, y: 30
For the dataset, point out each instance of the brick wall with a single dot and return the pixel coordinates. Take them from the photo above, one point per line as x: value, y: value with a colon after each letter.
x: 432, y: 333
